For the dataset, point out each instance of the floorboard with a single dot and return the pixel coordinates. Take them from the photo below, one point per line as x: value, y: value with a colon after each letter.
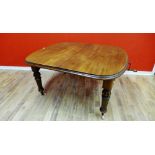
x: 74, y: 98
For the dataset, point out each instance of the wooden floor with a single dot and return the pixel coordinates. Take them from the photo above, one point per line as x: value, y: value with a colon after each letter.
x: 71, y: 97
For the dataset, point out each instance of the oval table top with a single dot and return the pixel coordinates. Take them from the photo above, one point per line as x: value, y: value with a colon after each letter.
x: 90, y: 60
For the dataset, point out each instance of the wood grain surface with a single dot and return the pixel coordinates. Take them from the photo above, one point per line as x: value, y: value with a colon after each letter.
x: 90, y: 60
x: 71, y: 97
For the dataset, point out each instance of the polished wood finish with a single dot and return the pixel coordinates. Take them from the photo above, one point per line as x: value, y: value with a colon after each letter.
x: 74, y: 98
x: 90, y: 60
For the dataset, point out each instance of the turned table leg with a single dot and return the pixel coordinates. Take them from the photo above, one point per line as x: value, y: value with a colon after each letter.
x: 106, y: 92
x: 37, y: 77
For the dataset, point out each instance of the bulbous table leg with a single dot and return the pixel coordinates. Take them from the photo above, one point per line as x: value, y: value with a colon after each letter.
x: 106, y: 92
x: 37, y: 77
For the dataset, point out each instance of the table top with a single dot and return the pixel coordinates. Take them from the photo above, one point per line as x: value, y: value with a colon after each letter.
x: 90, y: 60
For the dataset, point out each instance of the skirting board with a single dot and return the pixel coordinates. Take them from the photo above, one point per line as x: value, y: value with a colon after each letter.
x: 153, y: 69
x: 28, y: 68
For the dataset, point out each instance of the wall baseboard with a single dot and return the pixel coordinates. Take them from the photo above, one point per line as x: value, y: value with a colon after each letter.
x: 147, y: 73
x: 153, y: 70
x: 138, y: 73
x: 14, y: 68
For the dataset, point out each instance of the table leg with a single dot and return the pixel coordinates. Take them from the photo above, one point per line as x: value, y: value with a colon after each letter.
x: 106, y: 92
x: 37, y: 77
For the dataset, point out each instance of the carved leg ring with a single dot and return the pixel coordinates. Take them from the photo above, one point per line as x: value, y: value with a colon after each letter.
x: 105, y: 99
x: 37, y: 77
x: 106, y: 92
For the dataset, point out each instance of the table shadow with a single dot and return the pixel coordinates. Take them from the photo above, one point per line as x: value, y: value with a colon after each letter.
x: 63, y: 82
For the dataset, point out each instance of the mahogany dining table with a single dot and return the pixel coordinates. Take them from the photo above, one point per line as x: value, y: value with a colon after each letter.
x: 97, y: 61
